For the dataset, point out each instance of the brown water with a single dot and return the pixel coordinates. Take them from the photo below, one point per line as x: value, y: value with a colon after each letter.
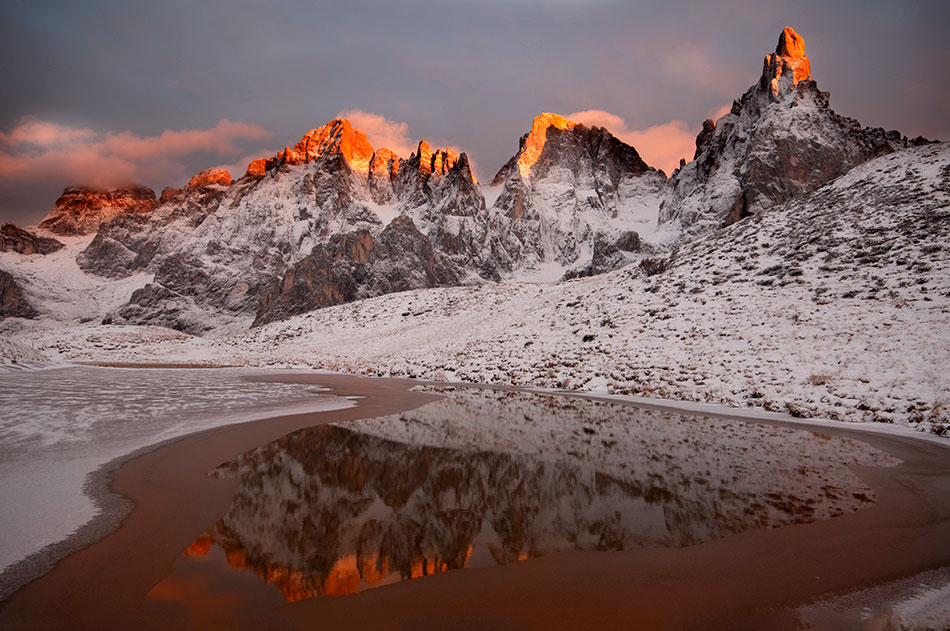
x: 484, y: 478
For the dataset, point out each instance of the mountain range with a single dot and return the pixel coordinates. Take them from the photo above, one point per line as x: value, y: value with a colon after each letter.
x: 796, y: 263
x: 333, y: 219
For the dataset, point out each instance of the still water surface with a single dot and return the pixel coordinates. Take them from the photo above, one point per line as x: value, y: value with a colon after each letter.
x: 484, y: 478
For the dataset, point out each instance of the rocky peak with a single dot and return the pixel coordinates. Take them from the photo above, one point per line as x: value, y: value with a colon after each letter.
x: 168, y: 193
x: 338, y: 137
x: 80, y: 210
x: 780, y: 140
x: 533, y: 143
x: 209, y: 177
x: 383, y: 169
x: 257, y: 168
x: 384, y: 161
x: 570, y: 187
x: 15, y: 239
x: 788, y: 65
x: 421, y: 175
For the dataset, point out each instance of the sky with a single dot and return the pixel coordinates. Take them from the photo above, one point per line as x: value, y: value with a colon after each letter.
x: 101, y: 92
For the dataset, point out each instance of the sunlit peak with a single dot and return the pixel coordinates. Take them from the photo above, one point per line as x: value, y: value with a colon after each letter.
x: 534, y: 143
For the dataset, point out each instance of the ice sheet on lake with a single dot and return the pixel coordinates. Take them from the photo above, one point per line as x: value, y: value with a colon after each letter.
x: 59, y: 425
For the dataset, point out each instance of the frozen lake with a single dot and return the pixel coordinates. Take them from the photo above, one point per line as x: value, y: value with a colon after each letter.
x: 59, y: 425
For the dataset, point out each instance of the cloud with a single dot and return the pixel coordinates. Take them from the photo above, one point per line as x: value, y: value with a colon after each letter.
x: 43, y: 151
x: 722, y: 111
x: 38, y: 133
x: 382, y: 132
x: 660, y: 146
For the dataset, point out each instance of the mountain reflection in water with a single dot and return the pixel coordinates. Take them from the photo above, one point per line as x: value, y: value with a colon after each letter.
x: 333, y: 510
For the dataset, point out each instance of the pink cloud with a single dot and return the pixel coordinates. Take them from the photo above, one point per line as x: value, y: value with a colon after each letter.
x: 37, y: 150
x: 660, y: 145
x: 381, y: 131
x: 39, y: 133
x: 722, y: 111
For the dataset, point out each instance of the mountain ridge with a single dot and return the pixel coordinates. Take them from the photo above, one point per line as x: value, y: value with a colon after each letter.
x: 316, y: 223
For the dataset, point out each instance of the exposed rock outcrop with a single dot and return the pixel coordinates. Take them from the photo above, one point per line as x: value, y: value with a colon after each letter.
x: 15, y: 239
x: 338, y: 137
x: 357, y: 265
x: 781, y: 139
x: 209, y: 177
x: 13, y: 303
x: 81, y: 210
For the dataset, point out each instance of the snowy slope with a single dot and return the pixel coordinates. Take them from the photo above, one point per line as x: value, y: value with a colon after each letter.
x: 834, y: 304
x: 61, y: 291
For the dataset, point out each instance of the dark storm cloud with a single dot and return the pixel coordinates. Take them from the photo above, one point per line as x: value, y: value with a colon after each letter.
x: 469, y: 74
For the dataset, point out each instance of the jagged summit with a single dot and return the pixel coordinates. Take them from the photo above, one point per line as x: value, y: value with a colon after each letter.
x: 788, y: 61
x: 534, y: 142
x: 780, y: 140
x: 577, y: 197
x: 336, y: 138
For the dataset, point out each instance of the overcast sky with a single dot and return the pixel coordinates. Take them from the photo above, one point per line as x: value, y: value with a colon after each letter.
x: 101, y: 91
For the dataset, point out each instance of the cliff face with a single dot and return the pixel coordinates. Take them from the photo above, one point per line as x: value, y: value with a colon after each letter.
x: 357, y: 265
x: 13, y: 303
x: 781, y: 139
x: 16, y: 239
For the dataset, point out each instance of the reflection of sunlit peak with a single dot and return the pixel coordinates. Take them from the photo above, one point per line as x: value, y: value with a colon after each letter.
x: 343, y: 578
x: 534, y: 143
x: 237, y: 559
x: 200, y: 547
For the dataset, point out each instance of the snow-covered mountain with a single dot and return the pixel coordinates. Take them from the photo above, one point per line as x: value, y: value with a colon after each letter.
x: 577, y: 197
x: 81, y: 210
x: 781, y: 139
x: 832, y: 304
x: 332, y: 220
x: 799, y: 263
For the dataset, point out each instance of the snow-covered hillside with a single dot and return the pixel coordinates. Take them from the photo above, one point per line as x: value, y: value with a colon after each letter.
x: 835, y: 304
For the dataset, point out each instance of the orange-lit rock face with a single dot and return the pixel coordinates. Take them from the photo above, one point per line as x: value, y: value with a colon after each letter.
x: 337, y: 136
x: 436, y: 161
x: 343, y: 578
x: 534, y: 144
x: 80, y: 210
x: 210, y: 177
x: 200, y: 547
x: 384, y: 163
x: 790, y: 44
x: 168, y: 193
x: 789, y: 63
x: 257, y: 167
